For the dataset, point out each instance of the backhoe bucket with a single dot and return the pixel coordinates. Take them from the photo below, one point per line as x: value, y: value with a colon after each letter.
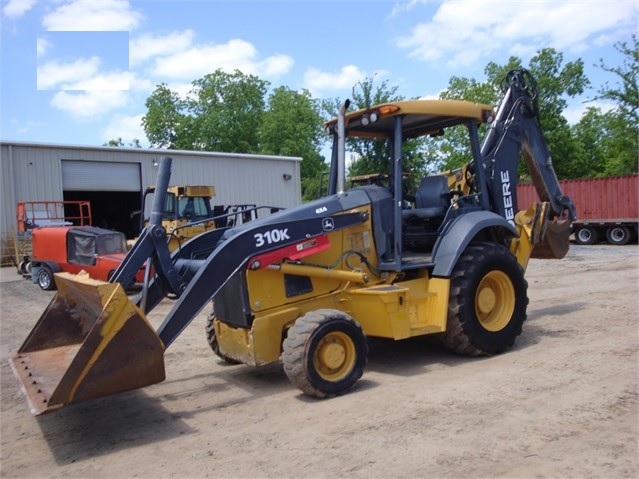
x: 555, y: 243
x: 90, y: 342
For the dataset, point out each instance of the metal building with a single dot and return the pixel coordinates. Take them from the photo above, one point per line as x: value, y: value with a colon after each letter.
x: 113, y: 179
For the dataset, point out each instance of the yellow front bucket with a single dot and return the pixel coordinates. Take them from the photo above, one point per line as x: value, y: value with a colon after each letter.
x: 90, y: 342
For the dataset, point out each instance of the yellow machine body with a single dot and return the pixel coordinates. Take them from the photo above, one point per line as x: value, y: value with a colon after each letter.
x: 385, y: 310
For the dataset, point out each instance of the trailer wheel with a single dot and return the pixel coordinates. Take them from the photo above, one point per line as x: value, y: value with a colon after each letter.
x: 488, y: 301
x: 212, y: 340
x: 586, y: 235
x: 618, y: 235
x: 45, y: 278
x: 325, y: 353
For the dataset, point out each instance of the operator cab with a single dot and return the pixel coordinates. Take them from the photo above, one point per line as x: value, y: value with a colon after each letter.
x: 420, y: 210
x: 190, y: 209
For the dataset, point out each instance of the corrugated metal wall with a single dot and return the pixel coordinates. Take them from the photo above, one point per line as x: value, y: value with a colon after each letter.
x: 595, y: 198
x: 32, y: 172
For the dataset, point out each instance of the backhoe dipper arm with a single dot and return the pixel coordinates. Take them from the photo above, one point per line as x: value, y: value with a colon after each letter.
x: 516, y: 130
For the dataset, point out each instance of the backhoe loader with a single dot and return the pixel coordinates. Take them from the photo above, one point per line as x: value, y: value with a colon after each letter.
x: 308, y: 285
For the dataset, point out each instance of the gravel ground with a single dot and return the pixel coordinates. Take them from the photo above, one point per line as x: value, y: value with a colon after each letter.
x: 561, y: 403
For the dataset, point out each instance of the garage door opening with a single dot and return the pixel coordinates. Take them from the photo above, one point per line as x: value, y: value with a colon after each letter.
x: 114, y: 210
x: 113, y: 188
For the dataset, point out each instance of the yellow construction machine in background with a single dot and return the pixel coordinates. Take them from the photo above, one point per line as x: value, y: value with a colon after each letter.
x: 187, y: 212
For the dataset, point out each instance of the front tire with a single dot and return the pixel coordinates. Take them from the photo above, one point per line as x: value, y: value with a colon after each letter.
x: 324, y: 353
x: 488, y: 301
x: 45, y: 278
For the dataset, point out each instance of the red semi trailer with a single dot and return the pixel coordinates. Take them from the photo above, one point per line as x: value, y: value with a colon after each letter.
x: 607, y: 208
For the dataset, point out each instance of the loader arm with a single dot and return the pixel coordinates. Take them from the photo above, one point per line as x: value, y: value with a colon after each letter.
x: 151, y: 247
x: 211, y: 274
x: 195, y: 272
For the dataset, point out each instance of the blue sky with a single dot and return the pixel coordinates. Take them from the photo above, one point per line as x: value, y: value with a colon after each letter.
x: 79, y: 71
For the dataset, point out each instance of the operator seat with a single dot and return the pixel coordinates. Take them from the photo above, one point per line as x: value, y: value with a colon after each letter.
x: 420, y: 225
x: 431, y: 200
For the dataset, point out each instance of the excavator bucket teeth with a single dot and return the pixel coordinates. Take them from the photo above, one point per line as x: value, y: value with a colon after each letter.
x: 555, y: 243
x: 90, y: 342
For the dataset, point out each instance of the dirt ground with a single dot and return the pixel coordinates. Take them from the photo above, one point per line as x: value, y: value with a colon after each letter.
x: 561, y: 403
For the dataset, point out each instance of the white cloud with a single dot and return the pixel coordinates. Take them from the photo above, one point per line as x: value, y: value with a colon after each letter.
x: 27, y: 127
x: 88, y: 104
x: 92, y: 15
x: 401, y: 7
x: 316, y: 80
x: 128, y: 128
x: 148, y: 46
x: 42, y: 46
x: 136, y: 82
x: 198, y: 61
x: 463, y: 32
x: 81, y: 74
x: 275, y: 65
x: 576, y: 110
x: 17, y: 8
x: 101, y: 81
x: 54, y: 75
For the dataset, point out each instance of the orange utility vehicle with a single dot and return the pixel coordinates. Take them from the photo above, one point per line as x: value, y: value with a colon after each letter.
x: 72, y: 249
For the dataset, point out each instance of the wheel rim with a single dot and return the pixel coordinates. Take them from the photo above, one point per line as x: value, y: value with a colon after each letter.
x: 495, y: 301
x: 334, y: 356
x: 617, y: 234
x: 44, y: 279
x: 584, y: 234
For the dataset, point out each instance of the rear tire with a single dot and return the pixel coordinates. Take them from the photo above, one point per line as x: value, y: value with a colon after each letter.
x: 618, y: 235
x: 488, y: 301
x: 325, y: 353
x: 586, y: 235
x: 45, y: 278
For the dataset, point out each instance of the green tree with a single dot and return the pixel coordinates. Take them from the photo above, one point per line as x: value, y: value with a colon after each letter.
x: 556, y: 82
x: 608, y: 144
x: 460, y: 88
x: 292, y: 126
x: 452, y: 150
x: 227, y: 109
x: 229, y: 112
x: 223, y: 112
x: 165, y: 121
x: 368, y: 155
x: 616, y: 132
x: 118, y: 142
x: 625, y: 94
